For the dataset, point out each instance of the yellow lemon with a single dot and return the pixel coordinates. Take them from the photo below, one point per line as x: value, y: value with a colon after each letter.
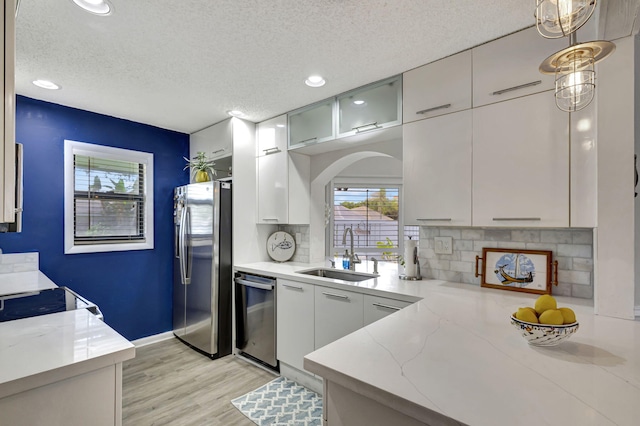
x: 544, y: 303
x: 533, y: 311
x: 568, y: 315
x: 552, y: 317
x: 526, y: 314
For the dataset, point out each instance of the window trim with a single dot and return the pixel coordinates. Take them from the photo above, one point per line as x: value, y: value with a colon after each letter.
x: 362, y: 182
x: 72, y: 148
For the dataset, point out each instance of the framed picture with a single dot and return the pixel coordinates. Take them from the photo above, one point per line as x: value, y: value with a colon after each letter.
x: 518, y: 270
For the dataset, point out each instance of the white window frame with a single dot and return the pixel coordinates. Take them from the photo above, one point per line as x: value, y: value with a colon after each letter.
x: 363, y: 182
x: 72, y: 148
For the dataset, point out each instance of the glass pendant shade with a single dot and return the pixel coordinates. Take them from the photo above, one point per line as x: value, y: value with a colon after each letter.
x: 575, y: 81
x: 559, y: 18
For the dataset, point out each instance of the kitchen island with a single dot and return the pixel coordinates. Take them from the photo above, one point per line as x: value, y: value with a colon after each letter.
x: 61, y: 368
x: 453, y: 357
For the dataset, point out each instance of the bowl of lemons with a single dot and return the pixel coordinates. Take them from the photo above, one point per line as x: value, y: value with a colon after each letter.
x: 545, y: 324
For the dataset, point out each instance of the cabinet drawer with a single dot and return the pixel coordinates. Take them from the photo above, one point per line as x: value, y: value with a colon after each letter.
x: 508, y: 67
x: 376, y: 307
x: 441, y: 87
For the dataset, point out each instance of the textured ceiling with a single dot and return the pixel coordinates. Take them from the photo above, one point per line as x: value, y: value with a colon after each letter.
x: 182, y: 64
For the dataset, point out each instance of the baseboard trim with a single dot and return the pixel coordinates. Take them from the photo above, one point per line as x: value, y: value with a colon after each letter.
x: 152, y: 339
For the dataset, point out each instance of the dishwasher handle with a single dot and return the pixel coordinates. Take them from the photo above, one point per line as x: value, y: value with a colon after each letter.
x: 254, y: 284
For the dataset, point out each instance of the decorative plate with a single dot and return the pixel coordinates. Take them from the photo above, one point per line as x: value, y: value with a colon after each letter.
x: 281, y: 246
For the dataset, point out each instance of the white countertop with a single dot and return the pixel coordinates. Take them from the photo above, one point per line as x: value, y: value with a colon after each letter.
x: 44, y: 349
x: 455, y: 354
x: 19, y: 282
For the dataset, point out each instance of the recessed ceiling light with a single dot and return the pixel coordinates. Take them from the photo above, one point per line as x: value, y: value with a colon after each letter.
x: 358, y: 102
x: 315, y: 81
x: 235, y: 113
x: 46, y: 84
x: 280, y: 125
x: 97, y: 7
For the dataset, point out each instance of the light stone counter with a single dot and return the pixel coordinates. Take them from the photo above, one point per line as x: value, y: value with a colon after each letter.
x: 20, y: 282
x: 455, y: 355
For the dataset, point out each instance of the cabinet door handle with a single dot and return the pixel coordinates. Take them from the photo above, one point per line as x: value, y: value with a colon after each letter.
x: 447, y: 219
x: 270, y: 151
x: 292, y: 286
x: 218, y: 150
x: 522, y: 86
x: 270, y: 219
x: 339, y: 296
x: 380, y: 305
x: 516, y: 218
x: 306, y: 140
x: 372, y: 126
x: 424, y: 111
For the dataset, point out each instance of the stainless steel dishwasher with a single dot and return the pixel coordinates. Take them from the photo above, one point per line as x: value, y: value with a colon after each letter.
x: 256, y: 318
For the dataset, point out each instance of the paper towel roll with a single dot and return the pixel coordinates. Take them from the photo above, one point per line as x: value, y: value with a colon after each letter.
x: 410, y: 268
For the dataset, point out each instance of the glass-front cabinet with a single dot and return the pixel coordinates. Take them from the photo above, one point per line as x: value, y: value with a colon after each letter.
x: 372, y: 107
x: 312, y: 124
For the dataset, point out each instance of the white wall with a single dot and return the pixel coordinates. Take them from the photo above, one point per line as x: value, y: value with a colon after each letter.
x: 373, y: 167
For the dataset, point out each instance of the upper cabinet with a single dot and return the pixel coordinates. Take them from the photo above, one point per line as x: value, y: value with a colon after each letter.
x: 521, y: 164
x: 441, y: 87
x: 312, y: 124
x: 216, y: 141
x: 372, y: 107
x: 7, y: 114
x: 508, y: 67
x: 283, y: 177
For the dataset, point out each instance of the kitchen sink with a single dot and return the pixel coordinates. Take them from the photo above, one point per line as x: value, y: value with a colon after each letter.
x: 338, y: 274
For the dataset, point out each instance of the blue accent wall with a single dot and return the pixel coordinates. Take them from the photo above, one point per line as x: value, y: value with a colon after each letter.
x: 132, y: 288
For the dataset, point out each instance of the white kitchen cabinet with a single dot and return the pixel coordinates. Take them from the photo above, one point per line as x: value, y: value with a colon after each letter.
x: 7, y: 114
x: 283, y: 181
x: 376, y: 307
x: 584, y: 167
x: 521, y: 163
x: 508, y: 67
x: 312, y: 124
x: 337, y: 313
x: 437, y: 170
x: 438, y: 88
x: 295, y: 319
x: 215, y: 141
x: 372, y: 107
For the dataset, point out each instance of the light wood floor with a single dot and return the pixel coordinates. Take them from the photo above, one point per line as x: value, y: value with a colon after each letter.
x: 168, y: 383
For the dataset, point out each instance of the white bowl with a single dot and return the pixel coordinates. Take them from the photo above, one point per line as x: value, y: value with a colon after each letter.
x: 544, y: 334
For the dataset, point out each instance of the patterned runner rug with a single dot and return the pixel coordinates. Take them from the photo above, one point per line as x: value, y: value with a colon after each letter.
x: 281, y: 402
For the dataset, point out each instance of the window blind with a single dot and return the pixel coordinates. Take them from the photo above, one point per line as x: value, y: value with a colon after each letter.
x: 109, y: 200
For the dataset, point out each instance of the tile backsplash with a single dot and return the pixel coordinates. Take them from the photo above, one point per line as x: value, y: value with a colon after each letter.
x: 18, y: 262
x: 302, y: 245
x: 572, y: 248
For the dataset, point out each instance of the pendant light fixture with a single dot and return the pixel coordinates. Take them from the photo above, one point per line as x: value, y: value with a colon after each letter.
x: 559, y: 18
x: 573, y: 67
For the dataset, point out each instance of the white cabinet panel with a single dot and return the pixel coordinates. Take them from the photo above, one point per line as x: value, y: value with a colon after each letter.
x: 376, y: 106
x: 584, y: 167
x: 215, y: 141
x: 283, y: 177
x: 441, y: 87
x: 508, y: 67
x: 437, y: 170
x: 521, y: 163
x: 376, y: 307
x: 7, y: 116
x: 337, y: 313
x: 295, y: 319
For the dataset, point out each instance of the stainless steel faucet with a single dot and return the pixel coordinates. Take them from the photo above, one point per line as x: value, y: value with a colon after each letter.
x: 375, y: 265
x: 353, y: 258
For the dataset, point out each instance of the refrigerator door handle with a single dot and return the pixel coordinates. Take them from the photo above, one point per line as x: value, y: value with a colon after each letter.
x: 182, y: 247
x: 187, y: 251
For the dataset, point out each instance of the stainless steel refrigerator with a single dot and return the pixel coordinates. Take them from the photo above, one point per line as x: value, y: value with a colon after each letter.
x: 203, y: 277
